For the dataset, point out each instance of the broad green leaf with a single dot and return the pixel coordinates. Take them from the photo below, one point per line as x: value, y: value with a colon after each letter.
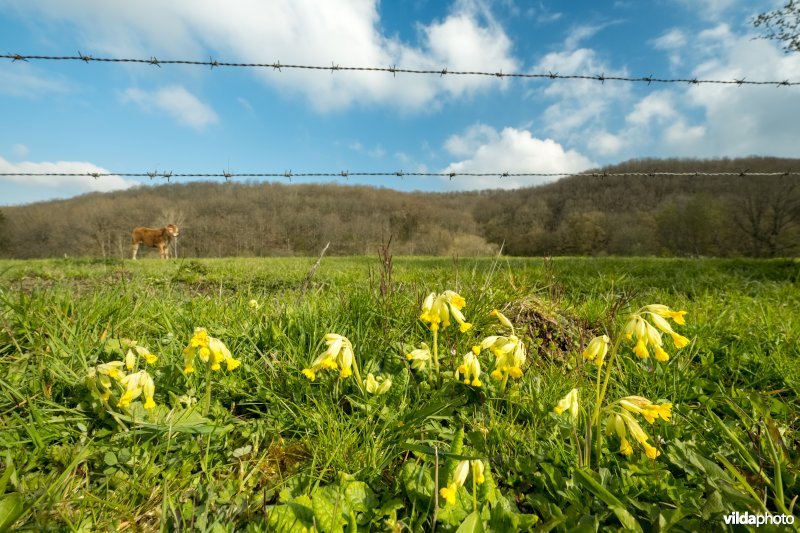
x: 418, y: 482
x: 471, y: 524
x: 293, y: 517
x: 330, y: 509
x: 11, y: 509
x: 585, y: 478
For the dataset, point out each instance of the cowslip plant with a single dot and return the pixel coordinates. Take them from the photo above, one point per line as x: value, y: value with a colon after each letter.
x: 106, y: 378
x: 437, y: 310
x: 212, y: 352
x: 339, y: 355
x: 509, y: 351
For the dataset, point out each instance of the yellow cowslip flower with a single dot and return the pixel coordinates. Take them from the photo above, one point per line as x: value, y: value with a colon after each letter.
x: 130, y: 360
x: 254, y: 304
x: 509, y: 355
x: 136, y: 384
x: 639, y: 435
x: 622, y: 423
x: 648, y: 334
x: 209, y: 350
x: 597, y: 349
x: 646, y: 408
x: 570, y: 403
x: 378, y: 385
x: 503, y: 319
x: 477, y: 471
x: 459, y: 477
x: 339, y: 354
x: 112, y: 369
x: 437, y: 309
x: 615, y: 424
x: 470, y: 368
x: 148, y: 357
x: 419, y: 357
x: 666, y: 312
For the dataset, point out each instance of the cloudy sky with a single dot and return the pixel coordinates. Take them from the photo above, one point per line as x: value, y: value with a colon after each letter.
x: 101, y: 117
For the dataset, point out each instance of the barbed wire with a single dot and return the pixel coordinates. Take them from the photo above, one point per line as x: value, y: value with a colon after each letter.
x: 394, y: 70
x: 346, y: 174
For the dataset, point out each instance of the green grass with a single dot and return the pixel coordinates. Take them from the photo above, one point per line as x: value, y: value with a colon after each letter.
x: 278, y: 452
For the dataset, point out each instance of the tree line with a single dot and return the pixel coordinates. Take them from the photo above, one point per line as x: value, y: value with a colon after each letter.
x: 580, y: 215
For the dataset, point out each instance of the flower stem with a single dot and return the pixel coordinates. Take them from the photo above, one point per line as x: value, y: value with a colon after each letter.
x: 601, y: 394
x: 207, y: 399
x: 358, y: 375
x: 436, y: 351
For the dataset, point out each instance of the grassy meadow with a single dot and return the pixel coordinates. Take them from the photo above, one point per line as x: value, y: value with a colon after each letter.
x: 261, y: 447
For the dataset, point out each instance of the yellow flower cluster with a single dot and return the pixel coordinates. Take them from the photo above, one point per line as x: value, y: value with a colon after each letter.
x: 460, y: 476
x: 622, y: 422
x: 209, y: 349
x: 597, y: 349
x: 509, y: 355
x: 438, y: 308
x: 647, y: 334
x: 509, y: 351
x: 339, y: 355
x: 102, y: 377
x: 470, y: 370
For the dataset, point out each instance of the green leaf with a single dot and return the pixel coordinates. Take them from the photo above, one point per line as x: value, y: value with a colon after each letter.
x: 360, y: 497
x: 110, y: 459
x: 418, y: 483
x: 587, y: 480
x: 472, y: 524
x: 11, y: 509
x: 295, y: 516
x: 330, y: 509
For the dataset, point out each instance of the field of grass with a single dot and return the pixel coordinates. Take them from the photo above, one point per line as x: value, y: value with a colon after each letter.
x: 261, y: 447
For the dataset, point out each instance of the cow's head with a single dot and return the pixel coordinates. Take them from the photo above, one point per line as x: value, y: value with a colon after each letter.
x: 172, y: 230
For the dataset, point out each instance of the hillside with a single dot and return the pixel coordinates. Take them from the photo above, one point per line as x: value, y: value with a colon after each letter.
x: 629, y: 215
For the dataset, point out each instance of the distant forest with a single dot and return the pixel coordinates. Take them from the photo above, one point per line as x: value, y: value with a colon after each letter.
x: 580, y: 215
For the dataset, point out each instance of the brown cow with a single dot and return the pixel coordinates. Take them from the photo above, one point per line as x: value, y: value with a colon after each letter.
x: 155, y: 237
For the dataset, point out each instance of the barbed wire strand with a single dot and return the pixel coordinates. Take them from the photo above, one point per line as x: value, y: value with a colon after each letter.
x: 278, y: 66
x: 346, y: 174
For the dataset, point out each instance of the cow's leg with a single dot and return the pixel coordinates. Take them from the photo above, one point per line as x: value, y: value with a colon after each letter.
x: 134, y: 249
x: 162, y: 250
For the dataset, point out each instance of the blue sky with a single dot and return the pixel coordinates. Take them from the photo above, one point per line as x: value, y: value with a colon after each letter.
x: 75, y: 117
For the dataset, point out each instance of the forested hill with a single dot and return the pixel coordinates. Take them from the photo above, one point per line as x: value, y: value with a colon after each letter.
x: 628, y: 215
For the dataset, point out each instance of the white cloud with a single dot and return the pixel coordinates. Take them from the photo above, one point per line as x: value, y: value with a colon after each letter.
x: 299, y: 32
x: 749, y: 119
x: 579, y: 105
x: 711, y: 120
x: 41, y: 187
x: 176, y: 102
x: 656, y: 106
x: 670, y: 40
x: 485, y: 150
x: 578, y: 34
x: 605, y: 143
